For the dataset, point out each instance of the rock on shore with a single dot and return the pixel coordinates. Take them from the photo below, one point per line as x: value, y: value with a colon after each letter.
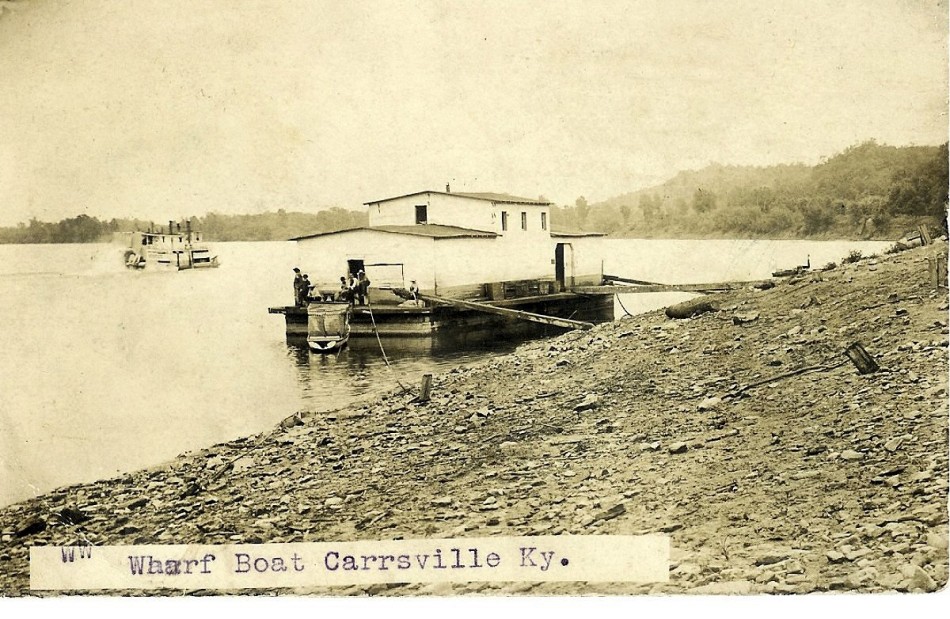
x: 820, y: 480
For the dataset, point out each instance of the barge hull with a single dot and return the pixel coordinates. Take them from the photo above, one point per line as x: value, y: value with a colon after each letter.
x: 408, y: 321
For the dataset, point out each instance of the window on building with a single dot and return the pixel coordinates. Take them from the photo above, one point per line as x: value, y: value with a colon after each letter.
x: 544, y: 221
x: 422, y: 216
x: 504, y: 220
x: 524, y: 220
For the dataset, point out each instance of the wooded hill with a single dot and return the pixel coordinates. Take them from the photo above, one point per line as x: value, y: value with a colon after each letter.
x: 867, y: 191
x: 278, y: 226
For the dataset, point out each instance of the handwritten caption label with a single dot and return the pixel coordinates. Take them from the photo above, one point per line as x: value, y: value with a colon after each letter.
x: 551, y: 558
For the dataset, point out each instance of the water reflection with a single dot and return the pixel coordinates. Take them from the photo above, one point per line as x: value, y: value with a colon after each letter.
x: 360, y: 370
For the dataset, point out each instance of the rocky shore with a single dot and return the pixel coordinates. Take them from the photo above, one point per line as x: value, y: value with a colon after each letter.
x: 822, y: 479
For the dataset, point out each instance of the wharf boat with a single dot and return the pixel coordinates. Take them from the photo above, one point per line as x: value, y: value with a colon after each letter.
x: 171, y: 249
x: 428, y: 319
x: 476, y: 260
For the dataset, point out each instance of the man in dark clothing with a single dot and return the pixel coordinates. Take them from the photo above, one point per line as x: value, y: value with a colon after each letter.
x: 362, y: 287
x: 298, y: 284
x: 305, y: 287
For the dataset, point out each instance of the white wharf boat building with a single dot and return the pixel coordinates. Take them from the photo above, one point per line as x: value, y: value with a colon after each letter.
x: 488, y: 247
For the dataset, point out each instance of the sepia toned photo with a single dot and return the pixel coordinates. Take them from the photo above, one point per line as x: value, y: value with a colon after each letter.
x: 483, y: 298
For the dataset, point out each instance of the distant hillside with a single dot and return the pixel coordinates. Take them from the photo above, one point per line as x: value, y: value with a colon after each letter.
x: 278, y: 226
x: 867, y: 191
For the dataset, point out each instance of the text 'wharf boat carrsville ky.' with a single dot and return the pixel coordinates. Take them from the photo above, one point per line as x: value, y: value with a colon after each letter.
x: 478, y: 260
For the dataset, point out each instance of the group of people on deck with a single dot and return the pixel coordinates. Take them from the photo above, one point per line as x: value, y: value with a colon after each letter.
x: 353, y: 289
x: 302, y: 288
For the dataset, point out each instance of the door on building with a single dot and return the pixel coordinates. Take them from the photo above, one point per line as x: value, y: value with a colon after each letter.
x: 562, y: 257
x: 354, y: 266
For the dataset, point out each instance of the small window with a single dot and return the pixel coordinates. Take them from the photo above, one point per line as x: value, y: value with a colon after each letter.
x: 544, y: 221
x: 524, y: 220
x: 504, y: 220
x: 422, y: 214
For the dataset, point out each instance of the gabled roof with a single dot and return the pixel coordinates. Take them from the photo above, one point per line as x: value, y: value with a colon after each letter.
x: 433, y: 231
x: 503, y: 198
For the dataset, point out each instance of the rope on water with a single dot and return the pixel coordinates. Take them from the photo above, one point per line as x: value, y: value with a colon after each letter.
x: 369, y: 306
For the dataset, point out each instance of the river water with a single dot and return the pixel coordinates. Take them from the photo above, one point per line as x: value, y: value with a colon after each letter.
x: 105, y: 370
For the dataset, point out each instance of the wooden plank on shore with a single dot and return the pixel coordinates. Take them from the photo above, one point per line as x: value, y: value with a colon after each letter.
x: 511, y: 313
x: 627, y: 280
x: 711, y: 287
x: 861, y: 359
x: 621, y: 289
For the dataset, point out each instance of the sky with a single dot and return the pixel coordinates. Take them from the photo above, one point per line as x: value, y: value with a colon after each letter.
x: 160, y: 110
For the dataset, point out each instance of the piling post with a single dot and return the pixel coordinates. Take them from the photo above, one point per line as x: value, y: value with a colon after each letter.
x: 861, y: 359
x: 426, y: 388
x: 938, y: 271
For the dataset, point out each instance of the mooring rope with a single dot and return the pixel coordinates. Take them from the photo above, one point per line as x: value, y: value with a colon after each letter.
x: 623, y: 307
x: 369, y: 306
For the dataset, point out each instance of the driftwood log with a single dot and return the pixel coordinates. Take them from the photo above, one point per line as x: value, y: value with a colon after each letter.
x: 693, y: 307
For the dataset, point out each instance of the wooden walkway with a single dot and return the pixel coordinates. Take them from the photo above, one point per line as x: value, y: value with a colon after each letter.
x: 510, y: 313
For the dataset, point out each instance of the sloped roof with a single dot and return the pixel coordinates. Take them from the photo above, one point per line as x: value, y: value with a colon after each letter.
x: 489, y: 197
x: 434, y: 231
x: 501, y: 197
x: 565, y: 234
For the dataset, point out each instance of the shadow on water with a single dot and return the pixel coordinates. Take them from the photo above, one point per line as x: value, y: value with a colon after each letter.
x: 469, y: 345
x: 328, y: 381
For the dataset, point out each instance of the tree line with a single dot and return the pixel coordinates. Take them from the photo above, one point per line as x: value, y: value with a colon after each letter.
x: 868, y: 191
x: 278, y: 226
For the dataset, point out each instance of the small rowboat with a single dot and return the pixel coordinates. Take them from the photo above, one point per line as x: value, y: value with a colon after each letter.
x: 328, y: 326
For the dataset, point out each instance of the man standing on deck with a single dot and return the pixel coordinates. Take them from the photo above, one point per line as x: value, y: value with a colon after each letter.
x: 305, y: 287
x: 362, y: 287
x: 298, y: 284
x: 354, y: 286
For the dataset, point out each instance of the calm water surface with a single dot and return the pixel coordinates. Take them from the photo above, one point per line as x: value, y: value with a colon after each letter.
x: 106, y: 370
